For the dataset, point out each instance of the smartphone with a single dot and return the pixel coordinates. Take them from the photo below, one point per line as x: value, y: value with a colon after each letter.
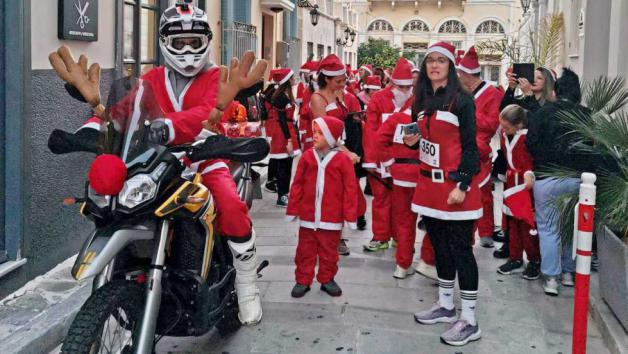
x: 524, y: 70
x: 411, y: 129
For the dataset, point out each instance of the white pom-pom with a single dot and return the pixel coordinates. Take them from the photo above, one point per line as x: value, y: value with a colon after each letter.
x: 533, y: 232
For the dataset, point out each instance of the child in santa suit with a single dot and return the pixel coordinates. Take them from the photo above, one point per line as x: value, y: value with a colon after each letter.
x: 518, y: 195
x: 321, y: 197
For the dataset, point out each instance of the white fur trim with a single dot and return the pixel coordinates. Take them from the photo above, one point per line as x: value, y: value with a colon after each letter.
x: 513, y: 190
x: 283, y: 155
x: 326, y: 132
x: 485, y: 181
x: 372, y: 87
x: 285, y: 79
x: 91, y: 125
x: 308, y: 140
x: 214, y: 167
x: 321, y: 225
x: 510, y: 145
x: 443, y: 51
x: 320, y: 191
x: 469, y: 70
x: 406, y: 184
x: 369, y: 165
x: 334, y: 73
x: 482, y: 90
x: 388, y: 163
x: 177, y: 102
x: 405, y: 82
x: 447, y: 215
x: 367, y: 69
x: 447, y: 117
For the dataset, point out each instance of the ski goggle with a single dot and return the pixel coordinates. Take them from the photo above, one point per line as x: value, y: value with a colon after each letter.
x: 187, y: 43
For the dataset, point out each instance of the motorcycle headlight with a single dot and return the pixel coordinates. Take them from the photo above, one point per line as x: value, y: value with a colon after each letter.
x: 137, y: 190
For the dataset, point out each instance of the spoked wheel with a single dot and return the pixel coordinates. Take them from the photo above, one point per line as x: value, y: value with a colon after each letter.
x: 107, y: 321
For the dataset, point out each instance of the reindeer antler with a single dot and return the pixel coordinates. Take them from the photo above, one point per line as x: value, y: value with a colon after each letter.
x: 87, y: 81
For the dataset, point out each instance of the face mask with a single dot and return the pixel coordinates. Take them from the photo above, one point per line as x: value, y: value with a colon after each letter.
x: 401, y: 97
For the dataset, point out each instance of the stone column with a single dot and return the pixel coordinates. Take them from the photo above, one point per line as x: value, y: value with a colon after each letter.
x: 618, y: 45
x: 596, y: 39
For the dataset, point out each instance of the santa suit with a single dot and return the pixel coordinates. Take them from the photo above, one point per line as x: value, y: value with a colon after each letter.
x: 405, y: 172
x: 320, y: 198
x: 280, y: 124
x: 441, y: 152
x: 519, y: 162
x: 379, y: 109
x: 487, y: 101
x: 184, y: 116
x: 305, y: 119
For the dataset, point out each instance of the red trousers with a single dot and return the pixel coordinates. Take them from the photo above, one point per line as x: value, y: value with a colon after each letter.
x: 486, y: 224
x: 427, y: 251
x: 232, y: 214
x: 403, y: 224
x: 381, y: 209
x: 521, y: 240
x: 312, y: 244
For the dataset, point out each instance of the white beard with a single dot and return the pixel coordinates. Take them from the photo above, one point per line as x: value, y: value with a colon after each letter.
x: 400, y: 97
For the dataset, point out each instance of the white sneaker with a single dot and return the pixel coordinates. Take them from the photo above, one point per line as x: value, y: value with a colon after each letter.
x: 550, y: 286
x: 401, y: 273
x: 245, y: 263
x: 426, y: 270
x: 567, y: 280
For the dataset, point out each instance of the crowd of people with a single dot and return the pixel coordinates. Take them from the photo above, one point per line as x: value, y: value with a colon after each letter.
x: 425, y: 139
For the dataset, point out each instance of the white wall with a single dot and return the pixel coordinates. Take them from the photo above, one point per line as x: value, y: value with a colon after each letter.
x: 44, y: 35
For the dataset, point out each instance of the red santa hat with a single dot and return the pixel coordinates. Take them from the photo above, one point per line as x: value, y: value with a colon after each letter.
x: 402, y: 75
x: 331, y: 127
x: 281, y: 76
x: 348, y: 67
x: 107, y: 174
x: 470, y: 63
x: 373, y: 82
x: 331, y: 66
x: 367, y: 67
x: 518, y: 204
x: 306, y: 68
x: 271, y: 76
x: 443, y: 48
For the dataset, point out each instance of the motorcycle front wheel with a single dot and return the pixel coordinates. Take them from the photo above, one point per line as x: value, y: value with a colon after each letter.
x: 108, y: 321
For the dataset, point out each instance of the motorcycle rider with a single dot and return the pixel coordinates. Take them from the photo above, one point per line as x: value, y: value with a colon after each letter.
x: 187, y: 91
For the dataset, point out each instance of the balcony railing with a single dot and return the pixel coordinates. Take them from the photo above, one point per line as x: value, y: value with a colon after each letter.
x: 237, y: 38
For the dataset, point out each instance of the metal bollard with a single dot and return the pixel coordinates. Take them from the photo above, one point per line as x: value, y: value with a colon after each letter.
x: 584, y: 220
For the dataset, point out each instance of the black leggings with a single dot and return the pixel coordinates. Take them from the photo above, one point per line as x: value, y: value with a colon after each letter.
x: 272, y: 169
x: 454, y: 253
x: 284, y: 174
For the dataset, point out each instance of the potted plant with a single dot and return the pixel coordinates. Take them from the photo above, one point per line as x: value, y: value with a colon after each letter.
x: 603, y: 135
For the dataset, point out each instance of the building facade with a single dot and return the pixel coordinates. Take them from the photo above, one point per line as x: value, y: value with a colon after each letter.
x: 414, y: 25
x: 36, y: 231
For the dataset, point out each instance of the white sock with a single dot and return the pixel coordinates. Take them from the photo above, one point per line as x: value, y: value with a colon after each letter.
x: 446, y: 293
x: 469, y: 298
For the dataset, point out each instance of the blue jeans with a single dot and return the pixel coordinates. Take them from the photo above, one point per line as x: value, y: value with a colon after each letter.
x: 554, y: 258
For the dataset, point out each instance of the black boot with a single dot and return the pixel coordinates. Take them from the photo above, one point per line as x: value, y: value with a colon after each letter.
x: 361, y: 223
x: 503, y: 252
x: 331, y: 288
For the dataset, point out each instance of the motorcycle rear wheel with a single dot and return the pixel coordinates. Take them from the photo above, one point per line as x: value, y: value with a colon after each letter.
x: 108, y: 322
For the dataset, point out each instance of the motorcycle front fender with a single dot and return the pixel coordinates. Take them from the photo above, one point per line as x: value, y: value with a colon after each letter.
x: 103, y: 245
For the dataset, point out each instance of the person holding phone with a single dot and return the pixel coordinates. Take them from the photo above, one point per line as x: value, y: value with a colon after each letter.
x: 535, y: 94
x: 447, y: 194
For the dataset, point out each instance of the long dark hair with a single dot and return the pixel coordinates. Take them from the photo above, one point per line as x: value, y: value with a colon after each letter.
x: 423, y: 90
x: 285, y: 88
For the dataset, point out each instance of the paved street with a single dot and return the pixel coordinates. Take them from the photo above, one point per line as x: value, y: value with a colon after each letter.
x: 374, y: 314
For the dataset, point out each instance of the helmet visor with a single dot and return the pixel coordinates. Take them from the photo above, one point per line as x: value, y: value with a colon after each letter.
x: 187, y: 43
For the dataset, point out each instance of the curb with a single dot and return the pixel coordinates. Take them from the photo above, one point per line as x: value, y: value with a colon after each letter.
x: 613, y: 333
x: 45, y: 332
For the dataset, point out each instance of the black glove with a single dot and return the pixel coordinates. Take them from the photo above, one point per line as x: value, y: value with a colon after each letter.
x: 158, y: 132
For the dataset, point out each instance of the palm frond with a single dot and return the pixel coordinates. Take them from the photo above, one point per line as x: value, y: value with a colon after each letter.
x: 606, y: 95
x: 564, y: 211
x: 548, y: 44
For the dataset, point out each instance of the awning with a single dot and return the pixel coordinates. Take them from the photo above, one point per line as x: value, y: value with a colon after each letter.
x: 278, y: 4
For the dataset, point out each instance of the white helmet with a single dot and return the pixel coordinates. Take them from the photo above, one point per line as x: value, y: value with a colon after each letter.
x: 184, y: 37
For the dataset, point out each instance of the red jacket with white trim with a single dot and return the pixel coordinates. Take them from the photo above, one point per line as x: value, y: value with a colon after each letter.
x: 323, y: 192
x: 379, y: 109
x: 487, y: 101
x: 390, y: 138
x: 185, y: 114
x: 519, y: 160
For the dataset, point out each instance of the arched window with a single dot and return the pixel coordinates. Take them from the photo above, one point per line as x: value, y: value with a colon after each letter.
x: 452, y: 26
x: 380, y: 26
x: 416, y: 26
x: 490, y: 27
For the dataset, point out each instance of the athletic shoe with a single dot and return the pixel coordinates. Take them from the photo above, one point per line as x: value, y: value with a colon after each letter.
x: 361, y: 223
x: 271, y: 186
x: 499, y: 235
x: 550, y: 286
x: 503, y: 252
x: 401, y: 273
x: 375, y: 246
x: 533, y: 271
x: 567, y: 280
x: 510, y: 267
x: 461, y: 333
x: 343, y: 248
x: 393, y: 243
x: 426, y: 270
x: 486, y: 242
x: 331, y: 288
x: 436, y: 314
x: 283, y: 201
x: 299, y: 290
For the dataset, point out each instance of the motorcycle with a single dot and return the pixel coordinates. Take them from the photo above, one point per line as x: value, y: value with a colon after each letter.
x: 159, y: 268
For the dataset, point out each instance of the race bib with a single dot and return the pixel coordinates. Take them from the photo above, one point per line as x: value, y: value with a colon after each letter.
x: 385, y: 116
x: 430, y: 153
x: 398, y: 138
